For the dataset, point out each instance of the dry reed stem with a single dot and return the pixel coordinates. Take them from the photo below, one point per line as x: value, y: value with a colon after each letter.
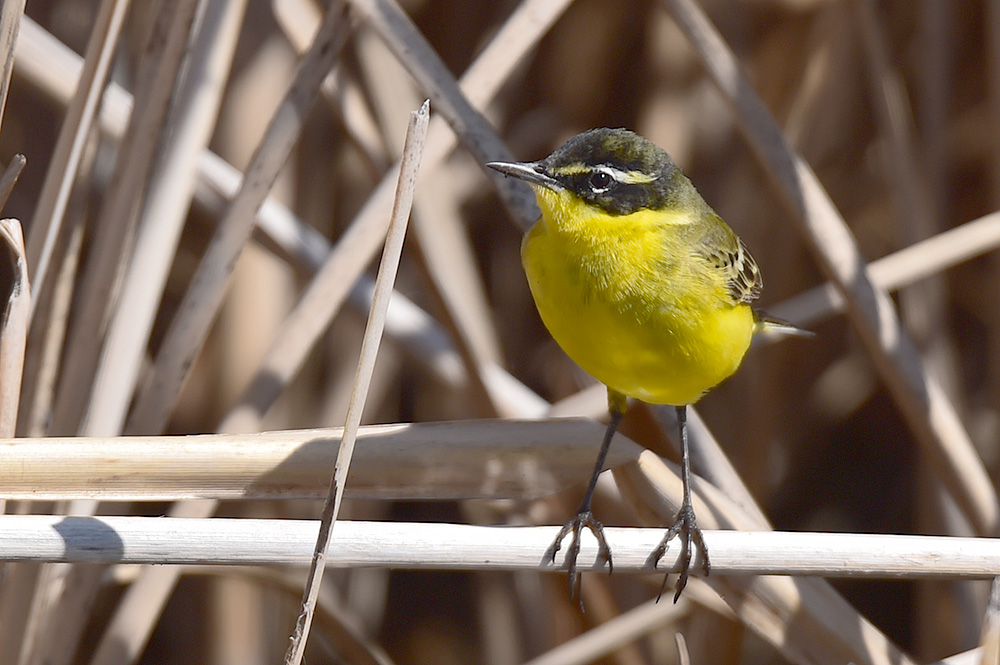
x: 614, y: 633
x: 13, y: 324
x: 59, y: 72
x: 590, y: 402
x: 990, y: 641
x: 9, y: 178
x: 526, y: 459
x: 416, y: 133
x: 10, y: 24
x: 20, y: 609
x: 684, y: 658
x: 46, y: 225
x: 444, y: 546
x: 971, y: 657
x: 45, y: 347
x: 429, y: 344
x: 913, y: 200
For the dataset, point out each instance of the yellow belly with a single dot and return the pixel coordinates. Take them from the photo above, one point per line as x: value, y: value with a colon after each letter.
x: 633, y: 329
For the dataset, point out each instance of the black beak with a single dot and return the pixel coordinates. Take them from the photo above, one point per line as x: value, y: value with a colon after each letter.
x: 530, y: 172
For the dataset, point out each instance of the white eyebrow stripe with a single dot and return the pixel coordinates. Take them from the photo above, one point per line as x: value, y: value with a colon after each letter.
x: 620, y: 176
x: 629, y: 177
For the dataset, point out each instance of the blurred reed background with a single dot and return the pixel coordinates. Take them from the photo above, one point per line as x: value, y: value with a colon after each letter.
x: 894, y: 104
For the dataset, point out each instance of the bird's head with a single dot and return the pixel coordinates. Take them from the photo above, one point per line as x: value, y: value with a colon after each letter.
x: 614, y: 170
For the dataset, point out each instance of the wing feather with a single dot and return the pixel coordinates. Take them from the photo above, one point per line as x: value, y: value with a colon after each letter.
x: 724, y: 250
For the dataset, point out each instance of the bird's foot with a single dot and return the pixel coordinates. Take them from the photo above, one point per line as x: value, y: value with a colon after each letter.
x: 687, y: 528
x: 583, y: 519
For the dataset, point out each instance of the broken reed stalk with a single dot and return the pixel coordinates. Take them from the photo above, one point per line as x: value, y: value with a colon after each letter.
x: 416, y: 132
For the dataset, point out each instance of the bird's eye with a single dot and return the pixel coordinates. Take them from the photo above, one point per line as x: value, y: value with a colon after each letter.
x: 600, y: 181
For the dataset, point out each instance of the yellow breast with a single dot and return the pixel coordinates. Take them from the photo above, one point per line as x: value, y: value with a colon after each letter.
x: 628, y: 300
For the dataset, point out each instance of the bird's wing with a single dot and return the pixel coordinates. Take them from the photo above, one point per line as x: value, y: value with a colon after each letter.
x: 725, y: 251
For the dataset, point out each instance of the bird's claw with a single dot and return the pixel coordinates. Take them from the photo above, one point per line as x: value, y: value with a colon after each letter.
x: 575, y: 526
x: 690, y: 534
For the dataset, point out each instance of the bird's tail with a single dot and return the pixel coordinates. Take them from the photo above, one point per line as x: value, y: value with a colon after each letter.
x: 768, y: 325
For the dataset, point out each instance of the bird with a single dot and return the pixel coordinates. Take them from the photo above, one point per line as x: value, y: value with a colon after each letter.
x: 646, y: 288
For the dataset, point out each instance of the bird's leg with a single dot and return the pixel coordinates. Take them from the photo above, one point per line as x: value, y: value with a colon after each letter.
x: 584, y: 517
x: 685, y: 525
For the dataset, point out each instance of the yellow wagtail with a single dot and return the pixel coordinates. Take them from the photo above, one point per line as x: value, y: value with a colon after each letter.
x: 644, y: 286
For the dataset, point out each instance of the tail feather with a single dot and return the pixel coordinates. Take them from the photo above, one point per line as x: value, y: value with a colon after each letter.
x: 768, y: 325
